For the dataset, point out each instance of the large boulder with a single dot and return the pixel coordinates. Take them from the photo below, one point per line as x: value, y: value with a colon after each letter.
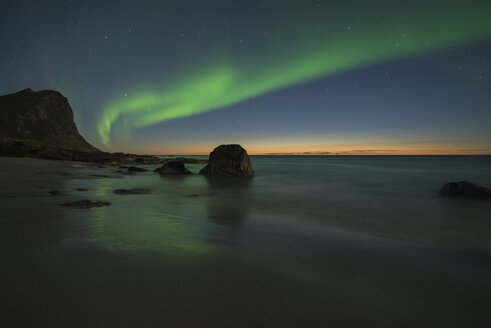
x: 465, y: 189
x: 228, y: 160
x: 174, y: 168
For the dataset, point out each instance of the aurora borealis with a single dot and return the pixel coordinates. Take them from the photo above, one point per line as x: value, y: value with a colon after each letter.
x: 138, y: 78
x: 229, y: 83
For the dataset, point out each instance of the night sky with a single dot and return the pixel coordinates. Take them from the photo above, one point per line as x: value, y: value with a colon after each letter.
x: 314, y: 77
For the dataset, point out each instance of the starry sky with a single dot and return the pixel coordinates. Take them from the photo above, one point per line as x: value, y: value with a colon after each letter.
x: 278, y: 77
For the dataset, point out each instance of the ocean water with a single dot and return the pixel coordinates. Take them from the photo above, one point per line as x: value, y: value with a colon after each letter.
x: 310, y: 241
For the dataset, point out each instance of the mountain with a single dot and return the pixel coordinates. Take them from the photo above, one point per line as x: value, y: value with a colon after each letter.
x: 40, y: 124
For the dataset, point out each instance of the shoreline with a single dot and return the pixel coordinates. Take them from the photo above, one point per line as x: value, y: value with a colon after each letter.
x: 391, y: 256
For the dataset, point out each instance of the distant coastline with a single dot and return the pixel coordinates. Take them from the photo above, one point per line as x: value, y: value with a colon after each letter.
x: 328, y: 155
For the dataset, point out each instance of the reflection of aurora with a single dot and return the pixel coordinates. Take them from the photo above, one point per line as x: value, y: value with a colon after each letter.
x: 146, y: 227
x: 396, y: 34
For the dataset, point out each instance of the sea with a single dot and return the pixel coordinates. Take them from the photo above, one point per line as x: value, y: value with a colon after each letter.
x: 309, y: 241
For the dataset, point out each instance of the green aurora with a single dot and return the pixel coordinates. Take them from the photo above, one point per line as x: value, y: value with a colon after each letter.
x: 233, y: 79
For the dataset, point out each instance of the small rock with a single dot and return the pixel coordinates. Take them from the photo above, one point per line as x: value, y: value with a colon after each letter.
x: 134, y: 191
x: 136, y: 169
x: 174, y: 168
x: 55, y: 192
x: 86, y: 203
x: 157, y: 170
x: 465, y: 189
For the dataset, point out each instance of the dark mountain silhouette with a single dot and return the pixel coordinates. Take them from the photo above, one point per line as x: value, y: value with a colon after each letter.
x: 40, y: 125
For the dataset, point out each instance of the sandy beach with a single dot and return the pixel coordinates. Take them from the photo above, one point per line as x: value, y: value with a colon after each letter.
x: 201, y: 254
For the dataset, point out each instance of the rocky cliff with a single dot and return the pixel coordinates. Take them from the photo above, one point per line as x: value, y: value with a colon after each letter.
x: 40, y: 124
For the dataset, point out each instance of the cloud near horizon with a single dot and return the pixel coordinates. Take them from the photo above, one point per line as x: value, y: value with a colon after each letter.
x: 347, y: 152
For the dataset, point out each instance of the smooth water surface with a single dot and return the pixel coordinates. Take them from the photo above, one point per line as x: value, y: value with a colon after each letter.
x: 318, y: 241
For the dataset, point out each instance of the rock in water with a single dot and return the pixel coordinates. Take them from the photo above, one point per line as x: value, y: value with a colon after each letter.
x: 86, y: 203
x: 134, y: 191
x: 39, y: 124
x: 174, y: 168
x: 136, y: 169
x: 228, y: 160
x: 186, y: 160
x: 465, y: 189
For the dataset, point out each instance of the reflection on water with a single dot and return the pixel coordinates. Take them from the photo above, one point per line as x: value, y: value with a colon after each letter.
x: 159, y: 221
x: 229, y: 200
x: 310, y: 242
x: 174, y: 218
x: 390, y: 197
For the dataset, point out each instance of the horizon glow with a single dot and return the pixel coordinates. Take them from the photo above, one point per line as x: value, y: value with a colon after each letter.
x: 234, y: 79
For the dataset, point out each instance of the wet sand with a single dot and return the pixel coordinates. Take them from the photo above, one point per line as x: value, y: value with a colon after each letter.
x: 157, y: 260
